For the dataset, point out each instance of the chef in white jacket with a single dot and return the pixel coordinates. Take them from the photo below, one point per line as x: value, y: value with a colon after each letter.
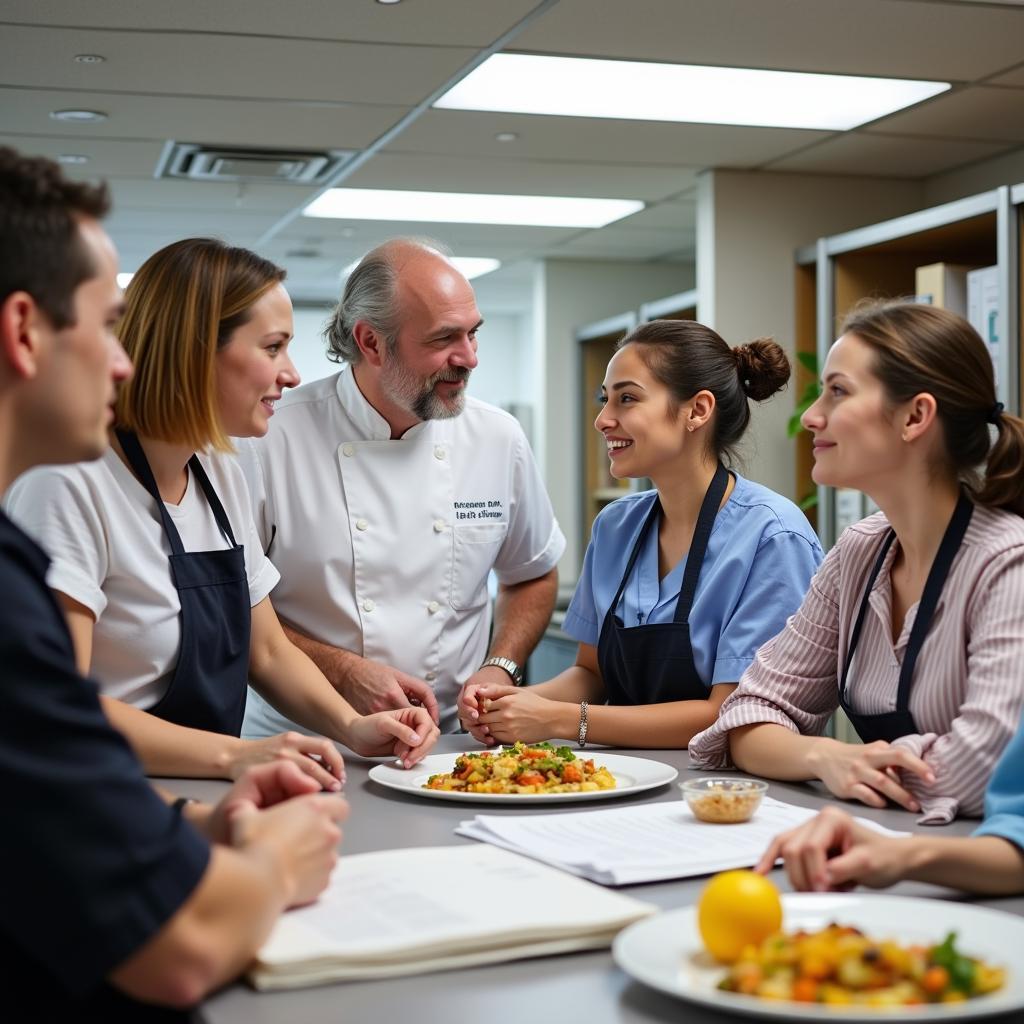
x: 385, y: 496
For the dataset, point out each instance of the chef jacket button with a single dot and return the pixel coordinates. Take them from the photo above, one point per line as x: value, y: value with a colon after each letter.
x: 348, y: 449
x: 439, y: 525
x: 430, y: 676
x: 433, y: 606
x: 368, y: 605
x: 439, y: 453
x: 361, y: 524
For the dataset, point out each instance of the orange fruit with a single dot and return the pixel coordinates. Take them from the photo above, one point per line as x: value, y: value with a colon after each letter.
x: 737, y: 909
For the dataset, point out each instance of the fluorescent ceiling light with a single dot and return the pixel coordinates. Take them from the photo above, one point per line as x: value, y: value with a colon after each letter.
x: 468, y: 266
x: 470, y: 208
x: 123, y: 280
x: 580, y: 87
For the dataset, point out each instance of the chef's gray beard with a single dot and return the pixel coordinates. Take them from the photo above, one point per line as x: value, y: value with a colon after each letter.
x: 417, y: 396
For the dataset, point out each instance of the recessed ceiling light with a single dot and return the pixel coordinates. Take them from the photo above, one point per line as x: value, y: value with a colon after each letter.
x: 506, y: 136
x: 89, y: 58
x: 124, y: 279
x: 470, y: 208
x: 72, y: 158
x: 388, y: 3
x: 79, y: 116
x: 468, y: 266
x: 634, y: 90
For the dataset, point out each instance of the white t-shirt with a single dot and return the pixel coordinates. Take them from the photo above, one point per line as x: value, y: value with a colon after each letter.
x: 384, y: 545
x: 102, y: 530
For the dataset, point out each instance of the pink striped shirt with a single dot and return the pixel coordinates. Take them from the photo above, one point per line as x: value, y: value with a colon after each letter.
x: 968, y: 685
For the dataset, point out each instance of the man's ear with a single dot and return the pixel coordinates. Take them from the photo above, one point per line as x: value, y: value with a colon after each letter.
x: 371, y: 344
x: 23, y: 328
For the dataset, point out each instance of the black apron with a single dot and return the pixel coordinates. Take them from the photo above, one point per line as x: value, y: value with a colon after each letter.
x: 653, y: 664
x: 891, y: 725
x: 208, y: 687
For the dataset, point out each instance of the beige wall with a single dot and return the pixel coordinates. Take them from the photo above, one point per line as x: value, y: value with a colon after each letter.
x: 749, y: 225
x: 569, y: 294
x: 1007, y: 169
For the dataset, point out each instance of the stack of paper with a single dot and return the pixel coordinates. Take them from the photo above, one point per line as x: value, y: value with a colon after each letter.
x: 410, y: 911
x: 649, y: 843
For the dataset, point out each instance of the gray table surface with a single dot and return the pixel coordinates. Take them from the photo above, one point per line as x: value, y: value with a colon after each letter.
x: 574, y: 987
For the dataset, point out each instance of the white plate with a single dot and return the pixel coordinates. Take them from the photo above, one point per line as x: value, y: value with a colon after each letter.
x: 633, y: 774
x: 666, y: 952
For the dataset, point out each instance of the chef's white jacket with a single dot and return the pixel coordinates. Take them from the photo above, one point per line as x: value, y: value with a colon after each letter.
x: 384, y: 546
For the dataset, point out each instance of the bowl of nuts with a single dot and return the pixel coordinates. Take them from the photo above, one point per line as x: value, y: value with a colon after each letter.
x: 723, y: 801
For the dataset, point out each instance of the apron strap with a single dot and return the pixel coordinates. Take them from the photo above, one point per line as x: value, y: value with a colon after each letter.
x: 930, y: 596
x: 652, y: 517
x: 140, y: 466
x: 699, y: 544
x: 214, y: 501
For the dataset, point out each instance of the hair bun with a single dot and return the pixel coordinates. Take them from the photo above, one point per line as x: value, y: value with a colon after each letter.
x: 762, y: 367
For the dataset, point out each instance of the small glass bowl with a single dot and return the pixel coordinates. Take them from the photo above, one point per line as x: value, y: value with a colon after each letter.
x: 723, y: 801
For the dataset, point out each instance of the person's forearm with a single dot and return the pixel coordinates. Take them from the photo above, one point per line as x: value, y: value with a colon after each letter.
x: 521, y: 614
x: 168, y: 749
x: 214, y: 935
x: 987, y: 865
x: 776, y: 752
x: 573, y: 685
x: 666, y: 726
x: 335, y: 663
x: 293, y: 684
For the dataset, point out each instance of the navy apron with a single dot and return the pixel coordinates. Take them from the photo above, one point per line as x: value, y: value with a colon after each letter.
x: 653, y: 664
x: 891, y: 725
x: 208, y: 687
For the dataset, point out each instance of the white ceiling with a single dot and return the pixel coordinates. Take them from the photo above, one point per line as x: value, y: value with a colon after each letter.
x: 339, y: 74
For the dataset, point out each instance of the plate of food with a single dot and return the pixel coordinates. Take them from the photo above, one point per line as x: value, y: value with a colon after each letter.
x: 840, y: 957
x: 526, y: 773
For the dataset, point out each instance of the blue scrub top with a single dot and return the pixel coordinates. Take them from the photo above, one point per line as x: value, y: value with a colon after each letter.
x: 1004, y: 798
x: 760, y: 559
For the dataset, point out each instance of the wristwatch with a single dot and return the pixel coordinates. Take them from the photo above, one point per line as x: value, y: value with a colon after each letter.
x: 509, y: 666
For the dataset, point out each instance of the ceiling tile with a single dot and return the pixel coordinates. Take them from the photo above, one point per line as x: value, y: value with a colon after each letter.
x: 195, y: 64
x: 869, y: 37
x: 392, y: 169
x: 614, y: 242
x: 439, y: 22
x: 1013, y: 78
x: 229, y: 122
x: 886, y: 156
x: 978, y: 112
x: 107, y: 157
x: 680, y: 215
x: 207, y: 196
x: 587, y: 139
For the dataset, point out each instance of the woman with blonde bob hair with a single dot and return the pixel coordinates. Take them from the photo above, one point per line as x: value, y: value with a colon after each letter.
x: 155, y: 556
x: 913, y: 625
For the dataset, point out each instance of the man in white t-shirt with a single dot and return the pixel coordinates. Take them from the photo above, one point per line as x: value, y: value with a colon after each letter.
x: 386, y: 496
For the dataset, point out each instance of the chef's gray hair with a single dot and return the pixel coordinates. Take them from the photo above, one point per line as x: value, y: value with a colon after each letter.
x: 370, y: 295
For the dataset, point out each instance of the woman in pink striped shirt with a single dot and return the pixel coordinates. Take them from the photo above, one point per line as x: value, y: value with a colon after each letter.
x: 914, y: 624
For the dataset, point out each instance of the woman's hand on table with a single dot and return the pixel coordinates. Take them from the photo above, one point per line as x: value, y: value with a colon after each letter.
x: 514, y: 713
x: 832, y: 851
x: 871, y: 773
x: 408, y: 733
x: 314, y: 755
x: 470, y: 707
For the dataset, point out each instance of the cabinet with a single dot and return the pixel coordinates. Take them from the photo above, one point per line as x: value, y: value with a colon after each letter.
x: 880, y: 261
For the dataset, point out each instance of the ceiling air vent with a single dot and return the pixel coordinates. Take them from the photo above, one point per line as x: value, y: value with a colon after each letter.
x: 223, y: 163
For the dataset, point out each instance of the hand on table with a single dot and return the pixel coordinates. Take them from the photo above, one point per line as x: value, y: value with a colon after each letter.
x: 832, y: 851
x: 495, y: 681
x: 260, y: 787
x: 371, y: 687
x: 314, y: 755
x: 871, y: 773
x: 301, y: 834
x: 408, y: 733
x: 512, y: 713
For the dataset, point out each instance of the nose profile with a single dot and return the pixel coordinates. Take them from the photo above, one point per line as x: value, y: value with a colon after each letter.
x: 289, y: 375
x: 812, y: 418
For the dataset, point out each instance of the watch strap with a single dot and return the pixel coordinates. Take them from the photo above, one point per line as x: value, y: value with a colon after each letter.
x: 509, y: 666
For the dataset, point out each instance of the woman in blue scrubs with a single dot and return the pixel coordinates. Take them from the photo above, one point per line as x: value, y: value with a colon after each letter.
x: 680, y: 584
